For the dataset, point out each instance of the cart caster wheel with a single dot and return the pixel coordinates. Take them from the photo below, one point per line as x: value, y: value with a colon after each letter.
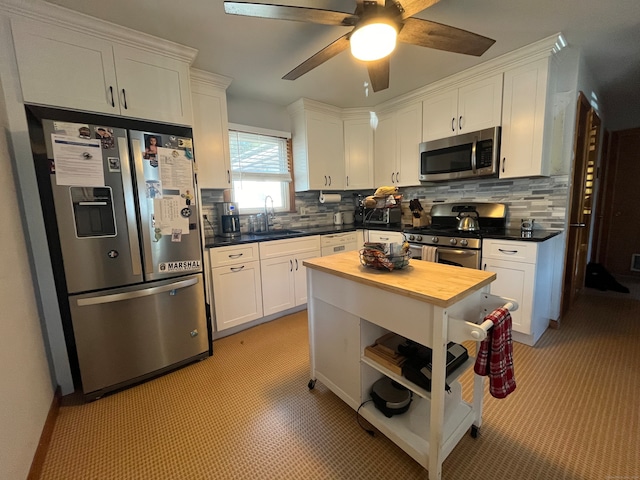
x: 311, y: 384
x: 474, y: 431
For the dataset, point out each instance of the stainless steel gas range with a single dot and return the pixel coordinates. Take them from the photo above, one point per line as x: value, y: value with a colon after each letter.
x: 454, y: 246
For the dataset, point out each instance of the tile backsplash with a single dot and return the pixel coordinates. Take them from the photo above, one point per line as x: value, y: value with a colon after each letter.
x: 544, y: 199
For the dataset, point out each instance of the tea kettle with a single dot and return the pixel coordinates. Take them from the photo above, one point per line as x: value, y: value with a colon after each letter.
x: 467, y: 222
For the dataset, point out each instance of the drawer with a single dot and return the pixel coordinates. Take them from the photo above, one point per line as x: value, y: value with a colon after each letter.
x: 515, y: 251
x: 289, y: 246
x: 222, y: 256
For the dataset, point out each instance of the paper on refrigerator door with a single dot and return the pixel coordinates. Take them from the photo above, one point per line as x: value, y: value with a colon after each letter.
x: 168, y: 215
x: 176, y: 170
x: 78, y: 161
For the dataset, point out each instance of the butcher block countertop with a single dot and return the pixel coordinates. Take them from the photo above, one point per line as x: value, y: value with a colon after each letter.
x: 435, y: 283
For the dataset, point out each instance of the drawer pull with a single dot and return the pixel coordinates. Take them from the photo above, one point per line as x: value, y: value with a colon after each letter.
x: 236, y: 269
x: 510, y: 252
x: 236, y: 255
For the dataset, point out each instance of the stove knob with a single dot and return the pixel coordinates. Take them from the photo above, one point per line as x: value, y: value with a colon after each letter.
x: 464, y: 242
x: 453, y: 241
x: 419, y: 238
x: 411, y: 237
x: 435, y: 239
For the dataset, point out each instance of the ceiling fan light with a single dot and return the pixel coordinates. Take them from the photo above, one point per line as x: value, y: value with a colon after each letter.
x: 373, y: 41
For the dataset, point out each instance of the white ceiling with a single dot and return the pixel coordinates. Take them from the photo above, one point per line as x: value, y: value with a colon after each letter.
x: 256, y: 53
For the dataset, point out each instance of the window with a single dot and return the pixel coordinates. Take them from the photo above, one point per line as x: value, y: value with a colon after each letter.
x: 260, y: 166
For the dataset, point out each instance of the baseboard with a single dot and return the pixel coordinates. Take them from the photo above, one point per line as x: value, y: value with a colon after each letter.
x: 45, y: 438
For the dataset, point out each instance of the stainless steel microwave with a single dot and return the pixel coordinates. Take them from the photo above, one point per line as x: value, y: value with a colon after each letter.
x: 468, y: 155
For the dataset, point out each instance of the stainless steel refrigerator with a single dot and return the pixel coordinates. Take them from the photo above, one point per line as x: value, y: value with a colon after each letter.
x: 119, y: 198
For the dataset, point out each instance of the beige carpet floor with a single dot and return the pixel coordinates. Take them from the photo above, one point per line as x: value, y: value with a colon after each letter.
x: 246, y: 413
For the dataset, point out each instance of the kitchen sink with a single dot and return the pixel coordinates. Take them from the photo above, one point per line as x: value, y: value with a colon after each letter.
x: 278, y: 233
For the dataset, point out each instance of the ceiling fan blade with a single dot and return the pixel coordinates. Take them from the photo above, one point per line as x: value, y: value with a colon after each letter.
x: 285, y: 12
x: 408, y: 8
x: 443, y: 37
x: 319, y: 58
x: 379, y: 74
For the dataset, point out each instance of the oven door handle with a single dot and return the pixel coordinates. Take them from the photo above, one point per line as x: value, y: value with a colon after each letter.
x: 466, y: 253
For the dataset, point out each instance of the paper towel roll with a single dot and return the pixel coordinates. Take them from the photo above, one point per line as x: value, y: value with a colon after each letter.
x: 330, y: 197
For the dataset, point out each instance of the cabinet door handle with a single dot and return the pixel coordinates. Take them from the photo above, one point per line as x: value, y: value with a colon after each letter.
x: 453, y: 124
x: 504, y: 160
x: 397, y: 177
x: 325, y: 180
x: 485, y: 267
x: 291, y: 265
x: 235, y: 255
x: 113, y: 103
x: 329, y: 180
x: 384, y: 238
x: 228, y: 177
x: 296, y: 264
x: 236, y: 269
x: 392, y: 174
x: 460, y: 123
x: 510, y: 252
x: 347, y: 180
x: 124, y: 97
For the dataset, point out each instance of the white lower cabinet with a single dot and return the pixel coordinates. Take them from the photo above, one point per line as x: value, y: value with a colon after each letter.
x: 237, y: 287
x: 383, y: 236
x: 525, y: 272
x: 284, y: 281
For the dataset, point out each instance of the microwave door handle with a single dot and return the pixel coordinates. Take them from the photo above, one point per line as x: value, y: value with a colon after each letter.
x: 473, y: 155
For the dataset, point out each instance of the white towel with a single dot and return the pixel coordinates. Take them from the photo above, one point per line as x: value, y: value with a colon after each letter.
x: 429, y: 254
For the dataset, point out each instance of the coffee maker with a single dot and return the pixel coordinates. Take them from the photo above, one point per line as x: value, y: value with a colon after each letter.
x: 358, y: 203
x: 228, y: 219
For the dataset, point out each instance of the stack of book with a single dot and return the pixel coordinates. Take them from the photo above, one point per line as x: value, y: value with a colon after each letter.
x: 385, y: 352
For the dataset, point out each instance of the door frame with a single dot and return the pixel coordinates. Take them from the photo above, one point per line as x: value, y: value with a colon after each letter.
x: 579, y: 228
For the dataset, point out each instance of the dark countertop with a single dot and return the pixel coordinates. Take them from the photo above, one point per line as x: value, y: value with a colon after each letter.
x: 536, y: 235
x: 212, y: 242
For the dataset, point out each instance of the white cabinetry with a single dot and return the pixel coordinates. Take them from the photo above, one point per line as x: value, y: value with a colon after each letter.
x: 67, y: 68
x: 397, y: 144
x: 318, y: 146
x: 526, y: 126
x: 210, y: 129
x: 358, y: 152
x: 525, y: 272
x: 237, y: 289
x: 469, y: 108
x: 284, y: 281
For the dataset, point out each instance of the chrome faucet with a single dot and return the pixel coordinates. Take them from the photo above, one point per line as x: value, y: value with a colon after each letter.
x: 269, y: 216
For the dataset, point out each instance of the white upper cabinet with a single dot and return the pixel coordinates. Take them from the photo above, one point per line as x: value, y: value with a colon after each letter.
x: 318, y: 146
x: 358, y: 152
x: 65, y: 68
x: 525, y: 123
x: 471, y: 107
x: 397, y: 145
x: 152, y: 86
x: 211, y: 129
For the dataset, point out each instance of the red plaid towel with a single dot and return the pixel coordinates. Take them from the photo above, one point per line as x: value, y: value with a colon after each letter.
x: 495, y: 356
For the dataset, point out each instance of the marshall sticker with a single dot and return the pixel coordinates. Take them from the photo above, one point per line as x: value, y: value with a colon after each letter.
x: 181, y: 266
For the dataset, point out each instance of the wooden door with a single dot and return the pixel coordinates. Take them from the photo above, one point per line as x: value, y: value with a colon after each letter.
x: 582, y: 188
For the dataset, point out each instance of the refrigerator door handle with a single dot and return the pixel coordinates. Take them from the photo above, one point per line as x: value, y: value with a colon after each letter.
x: 132, y: 226
x: 144, y: 212
x: 116, y: 297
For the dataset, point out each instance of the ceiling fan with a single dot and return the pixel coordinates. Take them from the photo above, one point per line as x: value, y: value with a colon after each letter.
x: 372, y: 22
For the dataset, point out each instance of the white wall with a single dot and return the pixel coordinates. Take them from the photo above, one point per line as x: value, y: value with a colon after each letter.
x: 258, y: 114
x: 25, y: 385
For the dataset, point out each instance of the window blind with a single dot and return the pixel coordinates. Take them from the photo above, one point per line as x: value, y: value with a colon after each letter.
x: 257, y: 157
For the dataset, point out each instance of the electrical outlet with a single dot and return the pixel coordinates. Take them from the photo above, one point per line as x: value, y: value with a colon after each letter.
x: 303, y: 211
